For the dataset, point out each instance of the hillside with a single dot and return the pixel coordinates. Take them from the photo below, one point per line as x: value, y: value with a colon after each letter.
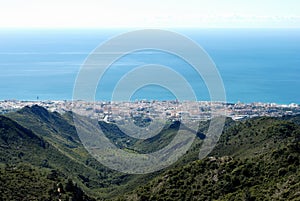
x: 65, y: 154
x: 255, y: 159
x: 26, y: 166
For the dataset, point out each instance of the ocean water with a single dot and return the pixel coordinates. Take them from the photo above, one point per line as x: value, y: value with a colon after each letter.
x: 256, y: 65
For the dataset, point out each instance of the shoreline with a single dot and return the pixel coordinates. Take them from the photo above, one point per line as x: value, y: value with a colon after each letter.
x: 141, y: 100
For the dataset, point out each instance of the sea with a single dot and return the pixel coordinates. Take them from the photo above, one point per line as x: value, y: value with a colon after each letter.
x: 256, y: 65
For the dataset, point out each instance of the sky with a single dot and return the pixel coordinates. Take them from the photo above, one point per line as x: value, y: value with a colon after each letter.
x: 149, y: 13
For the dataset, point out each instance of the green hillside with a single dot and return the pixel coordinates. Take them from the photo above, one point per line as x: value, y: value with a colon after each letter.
x: 27, y: 164
x: 255, y: 159
x: 64, y: 152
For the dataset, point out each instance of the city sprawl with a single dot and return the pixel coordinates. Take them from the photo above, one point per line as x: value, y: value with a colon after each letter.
x: 172, y: 110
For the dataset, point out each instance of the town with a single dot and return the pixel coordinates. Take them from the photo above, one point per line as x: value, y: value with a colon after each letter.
x: 110, y: 111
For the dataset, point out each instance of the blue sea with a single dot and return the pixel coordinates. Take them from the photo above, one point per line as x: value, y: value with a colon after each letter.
x: 256, y: 65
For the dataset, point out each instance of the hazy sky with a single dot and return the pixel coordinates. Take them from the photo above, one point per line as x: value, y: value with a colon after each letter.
x: 149, y: 13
